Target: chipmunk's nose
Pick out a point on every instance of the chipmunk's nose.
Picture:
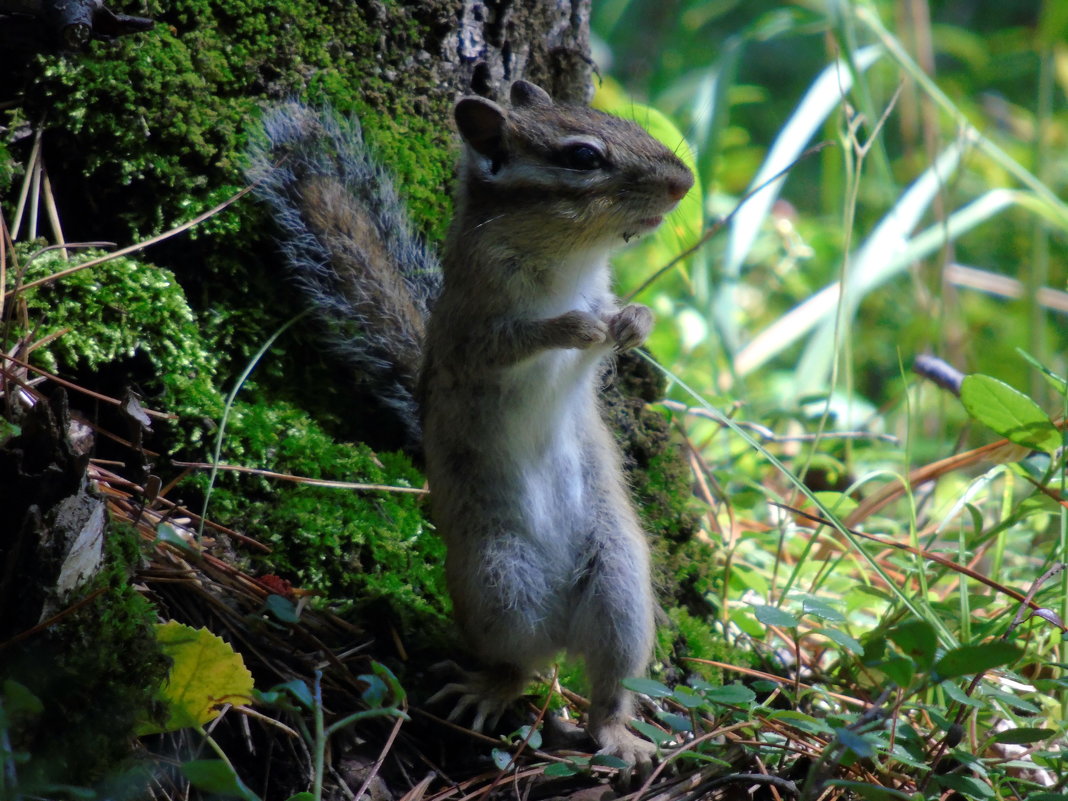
(679, 186)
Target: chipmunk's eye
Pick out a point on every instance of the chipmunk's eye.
(582, 157)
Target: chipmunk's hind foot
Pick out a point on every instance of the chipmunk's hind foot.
(489, 692)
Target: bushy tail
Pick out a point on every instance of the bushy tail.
(349, 247)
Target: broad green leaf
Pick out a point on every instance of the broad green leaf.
(167, 534)
(215, 776)
(969, 659)
(917, 639)
(299, 689)
(560, 770)
(854, 742)
(282, 608)
(842, 639)
(674, 722)
(817, 607)
(732, 694)
(206, 673)
(1009, 412)
(965, 785)
(744, 619)
(1024, 735)
(1015, 701)
(375, 693)
(524, 733)
(838, 502)
(873, 792)
(803, 721)
(651, 732)
(650, 687)
(774, 616)
(19, 702)
(501, 758)
(1060, 386)
(688, 698)
(899, 669)
(304, 796)
(955, 693)
(8, 431)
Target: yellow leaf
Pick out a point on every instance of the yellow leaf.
(206, 674)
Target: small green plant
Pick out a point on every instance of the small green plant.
(383, 694)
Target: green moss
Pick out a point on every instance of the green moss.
(690, 638)
(354, 548)
(96, 673)
(122, 318)
(150, 129)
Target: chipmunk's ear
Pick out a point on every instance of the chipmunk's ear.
(480, 122)
(524, 93)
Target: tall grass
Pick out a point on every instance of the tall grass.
(812, 305)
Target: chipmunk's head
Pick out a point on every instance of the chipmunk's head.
(573, 173)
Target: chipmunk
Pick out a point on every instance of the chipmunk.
(544, 548)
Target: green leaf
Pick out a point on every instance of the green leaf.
(560, 770)
(838, 502)
(817, 607)
(774, 616)
(650, 687)
(19, 701)
(1024, 735)
(304, 796)
(854, 742)
(743, 618)
(917, 639)
(688, 698)
(674, 722)
(1009, 412)
(524, 733)
(375, 693)
(1060, 386)
(8, 431)
(167, 534)
(965, 785)
(501, 758)
(1015, 701)
(609, 761)
(651, 732)
(970, 659)
(282, 608)
(873, 792)
(803, 721)
(732, 694)
(955, 693)
(215, 776)
(206, 673)
(299, 689)
(842, 639)
(899, 669)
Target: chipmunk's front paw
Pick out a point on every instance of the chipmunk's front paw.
(579, 329)
(630, 326)
(489, 692)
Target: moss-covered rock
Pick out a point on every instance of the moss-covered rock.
(149, 130)
(354, 548)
